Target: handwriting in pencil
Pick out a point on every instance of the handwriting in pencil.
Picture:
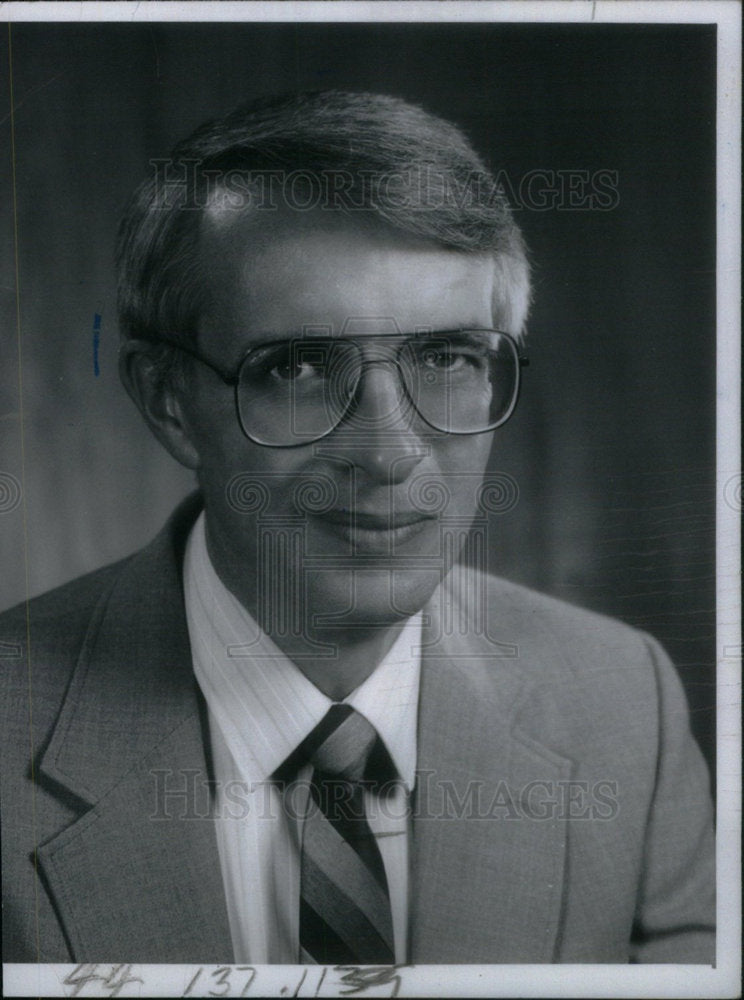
(359, 979)
(117, 977)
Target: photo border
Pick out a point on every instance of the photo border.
(554, 980)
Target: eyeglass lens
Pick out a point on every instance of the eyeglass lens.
(294, 392)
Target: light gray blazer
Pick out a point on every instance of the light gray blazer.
(561, 813)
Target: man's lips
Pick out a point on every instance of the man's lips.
(374, 520)
(373, 532)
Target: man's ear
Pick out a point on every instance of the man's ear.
(157, 400)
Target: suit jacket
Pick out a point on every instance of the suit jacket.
(561, 812)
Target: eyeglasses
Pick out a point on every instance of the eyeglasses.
(293, 392)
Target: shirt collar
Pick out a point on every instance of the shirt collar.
(261, 701)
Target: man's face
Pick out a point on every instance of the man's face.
(344, 526)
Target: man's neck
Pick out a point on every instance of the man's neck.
(335, 659)
(348, 658)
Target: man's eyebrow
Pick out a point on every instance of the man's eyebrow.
(326, 331)
(279, 336)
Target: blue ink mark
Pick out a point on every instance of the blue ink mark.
(96, 341)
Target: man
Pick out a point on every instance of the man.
(294, 728)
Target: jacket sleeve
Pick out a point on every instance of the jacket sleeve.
(675, 914)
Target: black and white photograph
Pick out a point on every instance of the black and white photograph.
(369, 499)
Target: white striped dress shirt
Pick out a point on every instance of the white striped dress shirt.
(260, 708)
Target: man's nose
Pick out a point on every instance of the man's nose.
(379, 434)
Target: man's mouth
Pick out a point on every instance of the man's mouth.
(374, 531)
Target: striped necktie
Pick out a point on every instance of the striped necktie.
(345, 913)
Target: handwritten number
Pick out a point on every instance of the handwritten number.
(114, 978)
(359, 980)
(116, 985)
(320, 981)
(299, 985)
(223, 979)
(252, 971)
(118, 977)
(192, 983)
(78, 978)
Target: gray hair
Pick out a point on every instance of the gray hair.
(372, 155)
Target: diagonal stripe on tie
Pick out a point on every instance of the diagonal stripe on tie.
(344, 904)
(333, 864)
(349, 922)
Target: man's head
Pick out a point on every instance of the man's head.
(320, 219)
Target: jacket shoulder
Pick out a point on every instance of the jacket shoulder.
(61, 616)
(41, 639)
(575, 636)
(593, 672)
(591, 686)
(57, 612)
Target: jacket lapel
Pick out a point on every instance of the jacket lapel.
(488, 847)
(137, 876)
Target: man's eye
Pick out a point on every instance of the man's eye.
(286, 364)
(292, 370)
(449, 358)
(443, 360)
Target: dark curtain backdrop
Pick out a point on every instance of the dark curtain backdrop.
(613, 446)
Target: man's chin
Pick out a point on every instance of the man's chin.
(349, 600)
